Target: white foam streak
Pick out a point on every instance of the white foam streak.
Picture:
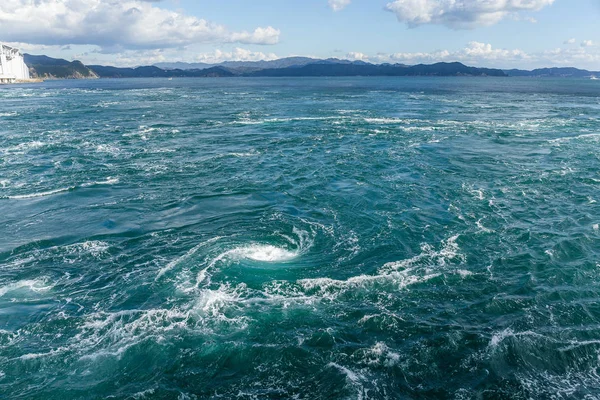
(247, 121)
(387, 121)
(108, 181)
(114, 333)
(500, 337)
(93, 247)
(33, 356)
(380, 354)
(448, 252)
(354, 380)
(332, 288)
(41, 194)
(185, 257)
(418, 269)
(353, 377)
(593, 136)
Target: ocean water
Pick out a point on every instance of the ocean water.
(348, 238)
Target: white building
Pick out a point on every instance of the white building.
(12, 65)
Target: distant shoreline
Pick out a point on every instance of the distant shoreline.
(44, 67)
(20, 81)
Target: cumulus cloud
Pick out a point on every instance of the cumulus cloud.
(131, 58)
(268, 35)
(570, 41)
(587, 43)
(474, 52)
(461, 14)
(126, 24)
(237, 54)
(580, 57)
(338, 5)
(356, 56)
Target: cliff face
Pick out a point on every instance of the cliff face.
(54, 68)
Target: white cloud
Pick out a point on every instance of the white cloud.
(357, 56)
(460, 14)
(587, 43)
(570, 41)
(127, 24)
(474, 52)
(338, 5)
(92, 55)
(579, 57)
(485, 55)
(133, 58)
(268, 35)
(237, 54)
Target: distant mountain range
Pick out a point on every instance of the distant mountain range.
(49, 68)
(554, 72)
(280, 63)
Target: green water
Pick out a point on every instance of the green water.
(351, 238)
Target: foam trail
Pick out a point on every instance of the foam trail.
(40, 194)
(186, 256)
(108, 181)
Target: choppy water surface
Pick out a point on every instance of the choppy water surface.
(361, 238)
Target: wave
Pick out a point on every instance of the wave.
(108, 181)
(243, 154)
(109, 149)
(33, 285)
(111, 334)
(247, 121)
(384, 121)
(355, 381)
(93, 247)
(592, 136)
(23, 148)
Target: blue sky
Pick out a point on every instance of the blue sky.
(495, 33)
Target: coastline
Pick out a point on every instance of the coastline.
(18, 81)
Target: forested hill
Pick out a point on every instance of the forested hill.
(55, 68)
(48, 68)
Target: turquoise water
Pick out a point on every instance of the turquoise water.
(351, 238)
